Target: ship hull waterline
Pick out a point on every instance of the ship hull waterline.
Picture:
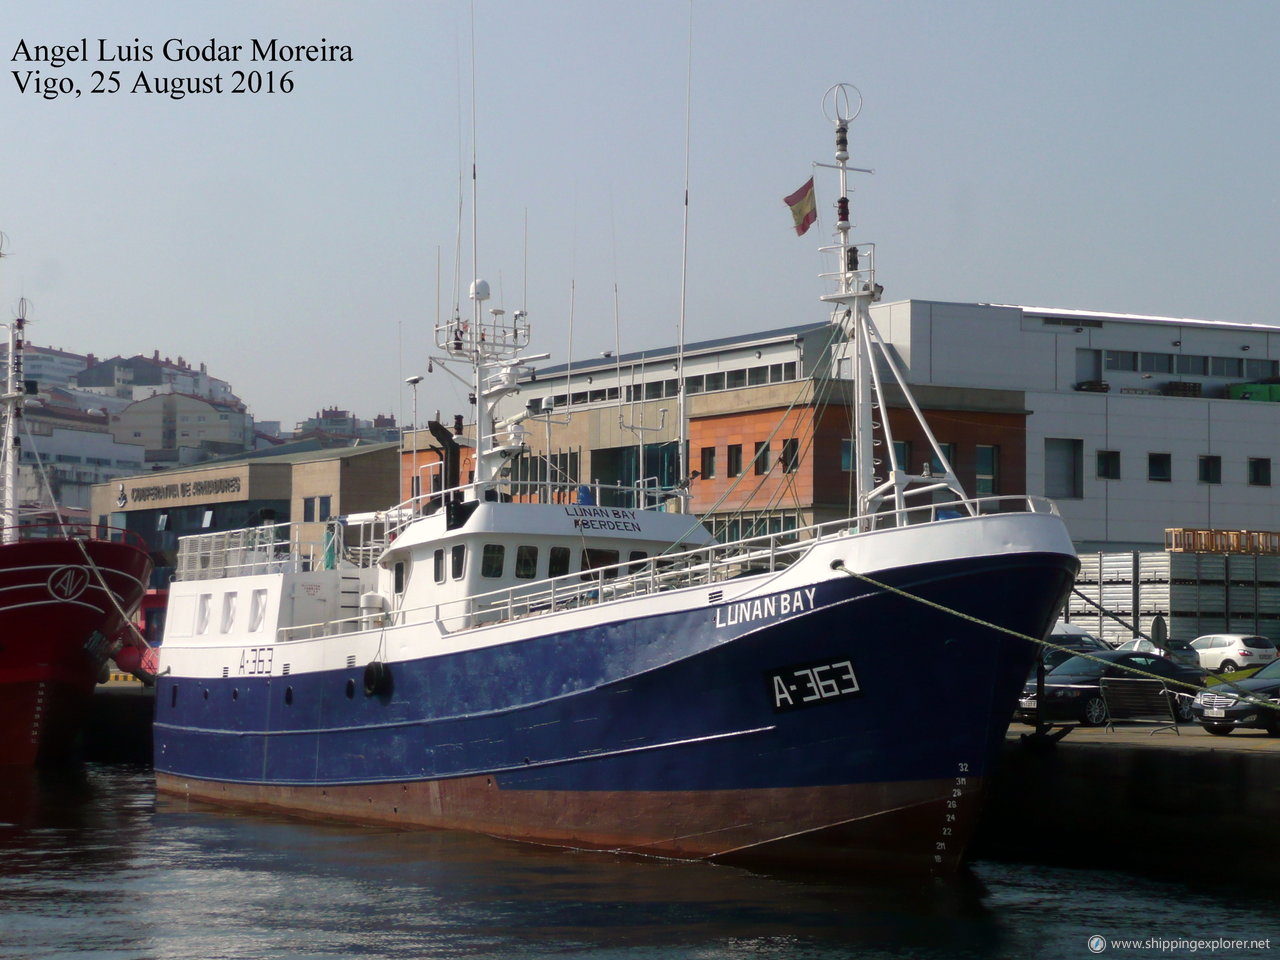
(694, 759)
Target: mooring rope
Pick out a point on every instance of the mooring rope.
(838, 565)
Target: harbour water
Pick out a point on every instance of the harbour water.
(91, 864)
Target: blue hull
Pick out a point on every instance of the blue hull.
(846, 695)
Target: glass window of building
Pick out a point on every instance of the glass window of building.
(708, 462)
(760, 461)
(1063, 468)
(1108, 464)
(733, 467)
(790, 455)
(1160, 467)
(1210, 469)
(1259, 471)
(986, 470)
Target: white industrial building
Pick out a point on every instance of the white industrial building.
(1135, 423)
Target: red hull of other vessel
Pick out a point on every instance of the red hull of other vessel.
(57, 624)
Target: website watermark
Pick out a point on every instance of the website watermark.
(1101, 944)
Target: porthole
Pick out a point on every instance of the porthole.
(206, 693)
(288, 696)
(351, 689)
(235, 694)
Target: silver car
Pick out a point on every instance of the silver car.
(1228, 652)
(1179, 651)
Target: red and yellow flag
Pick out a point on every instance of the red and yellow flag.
(804, 208)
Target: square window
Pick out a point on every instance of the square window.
(1108, 464)
(526, 562)
(492, 559)
(1210, 469)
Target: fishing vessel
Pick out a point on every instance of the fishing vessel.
(585, 666)
(67, 596)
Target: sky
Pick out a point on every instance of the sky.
(1115, 156)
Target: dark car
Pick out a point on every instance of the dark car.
(1074, 640)
(1072, 693)
(1244, 703)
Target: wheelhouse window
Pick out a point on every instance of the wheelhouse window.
(637, 558)
(398, 573)
(492, 560)
(437, 562)
(594, 557)
(558, 562)
(526, 562)
(458, 561)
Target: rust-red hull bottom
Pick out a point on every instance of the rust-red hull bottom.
(913, 827)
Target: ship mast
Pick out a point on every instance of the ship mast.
(12, 405)
(856, 290)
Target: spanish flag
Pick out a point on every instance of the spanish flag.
(804, 208)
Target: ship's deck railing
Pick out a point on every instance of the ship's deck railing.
(70, 529)
(705, 565)
(270, 548)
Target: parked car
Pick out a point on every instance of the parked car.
(1253, 702)
(1229, 652)
(1075, 639)
(1072, 691)
(1179, 651)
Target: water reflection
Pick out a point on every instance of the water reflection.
(89, 863)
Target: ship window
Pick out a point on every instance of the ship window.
(637, 558)
(558, 563)
(202, 612)
(492, 560)
(437, 560)
(257, 610)
(398, 574)
(526, 562)
(228, 611)
(593, 557)
(458, 561)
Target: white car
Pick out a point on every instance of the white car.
(1179, 651)
(1228, 652)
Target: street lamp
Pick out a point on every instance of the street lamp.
(413, 473)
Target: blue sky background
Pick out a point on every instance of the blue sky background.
(1093, 155)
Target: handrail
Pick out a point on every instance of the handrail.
(767, 553)
(75, 529)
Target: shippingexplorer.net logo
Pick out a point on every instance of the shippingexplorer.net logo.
(1098, 944)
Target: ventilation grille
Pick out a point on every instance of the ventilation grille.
(351, 661)
(715, 596)
(226, 672)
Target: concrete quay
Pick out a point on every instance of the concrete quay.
(1130, 799)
